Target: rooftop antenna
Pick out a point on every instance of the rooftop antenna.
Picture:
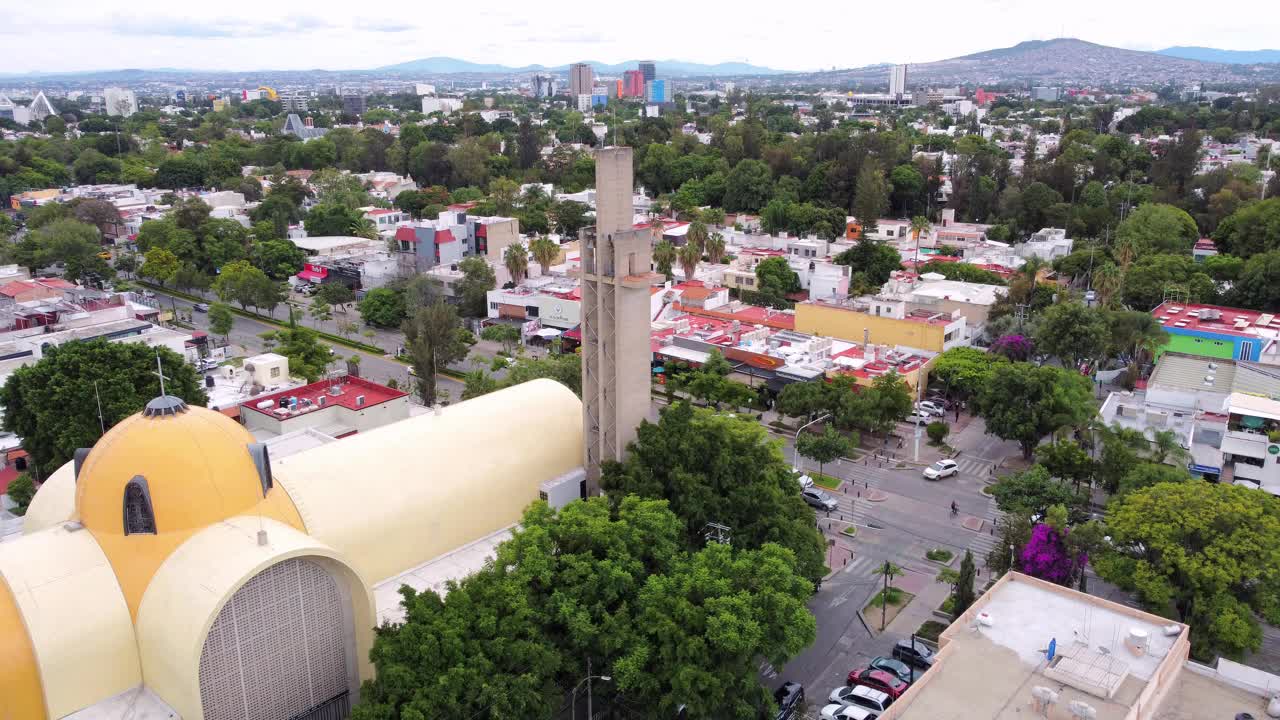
(160, 372)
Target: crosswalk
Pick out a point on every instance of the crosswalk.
(972, 465)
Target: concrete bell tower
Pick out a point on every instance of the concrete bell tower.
(616, 277)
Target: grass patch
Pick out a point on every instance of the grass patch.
(851, 531)
(879, 611)
(930, 630)
(986, 490)
(948, 606)
(892, 596)
(825, 481)
(939, 555)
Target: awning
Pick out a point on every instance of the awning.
(548, 333)
(310, 276)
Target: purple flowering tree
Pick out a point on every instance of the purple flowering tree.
(1047, 557)
(1018, 348)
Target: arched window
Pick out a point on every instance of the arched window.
(138, 515)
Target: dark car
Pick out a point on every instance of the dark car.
(790, 696)
(897, 667)
(885, 682)
(916, 654)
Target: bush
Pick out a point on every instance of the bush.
(938, 431)
(20, 491)
(893, 595)
(948, 606)
(939, 555)
(930, 630)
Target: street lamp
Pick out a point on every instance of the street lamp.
(573, 697)
(795, 453)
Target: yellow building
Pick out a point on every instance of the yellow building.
(882, 322)
(173, 570)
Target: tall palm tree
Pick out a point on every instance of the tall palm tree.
(697, 235)
(715, 248)
(1166, 447)
(516, 259)
(664, 256)
(689, 255)
(919, 226)
(545, 251)
(1107, 281)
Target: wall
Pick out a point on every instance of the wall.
(1203, 345)
(844, 324)
(362, 420)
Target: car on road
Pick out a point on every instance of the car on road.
(819, 499)
(836, 711)
(941, 469)
(148, 294)
(928, 407)
(861, 696)
(885, 682)
(789, 696)
(200, 307)
(918, 418)
(914, 653)
(897, 667)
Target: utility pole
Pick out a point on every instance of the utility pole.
(589, 715)
(884, 595)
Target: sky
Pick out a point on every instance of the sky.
(74, 35)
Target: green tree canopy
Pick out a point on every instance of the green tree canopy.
(963, 272)
(1159, 228)
(965, 370)
(721, 469)
(308, 358)
(1207, 554)
(1072, 333)
(472, 290)
(433, 339)
(824, 448)
(36, 398)
(774, 279)
(1252, 230)
(1033, 491)
(1025, 402)
(383, 307)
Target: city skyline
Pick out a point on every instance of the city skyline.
(152, 36)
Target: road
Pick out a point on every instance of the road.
(244, 340)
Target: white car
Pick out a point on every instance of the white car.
(836, 711)
(918, 417)
(941, 469)
(805, 481)
(928, 407)
(862, 696)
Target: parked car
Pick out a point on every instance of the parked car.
(928, 407)
(897, 667)
(200, 307)
(789, 696)
(835, 711)
(937, 398)
(819, 499)
(805, 481)
(885, 682)
(861, 696)
(941, 469)
(148, 294)
(917, 654)
(918, 418)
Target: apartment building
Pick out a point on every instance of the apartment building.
(883, 321)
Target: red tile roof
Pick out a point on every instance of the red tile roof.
(444, 236)
(406, 234)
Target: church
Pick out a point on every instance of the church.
(174, 571)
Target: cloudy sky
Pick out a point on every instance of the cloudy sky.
(68, 35)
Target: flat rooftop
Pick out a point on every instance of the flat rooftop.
(348, 389)
(1217, 319)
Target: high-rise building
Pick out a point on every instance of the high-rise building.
(120, 101)
(580, 79)
(353, 105)
(659, 91)
(898, 80)
(633, 84)
(648, 70)
(544, 86)
(616, 277)
(294, 100)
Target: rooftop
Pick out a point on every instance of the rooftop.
(1192, 372)
(350, 392)
(1218, 320)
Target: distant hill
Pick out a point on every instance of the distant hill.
(666, 68)
(1215, 55)
(1060, 61)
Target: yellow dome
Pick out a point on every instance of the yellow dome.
(195, 463)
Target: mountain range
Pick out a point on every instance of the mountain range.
(1215, 55)
(668, 68)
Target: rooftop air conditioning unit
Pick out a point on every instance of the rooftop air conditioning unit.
(320, 401)
(1081, 710)
(359, 401)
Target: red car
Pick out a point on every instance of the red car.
(880, 680)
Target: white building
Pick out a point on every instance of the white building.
(120, 101)
(1048, 244)
(441, 105)
(898, 80)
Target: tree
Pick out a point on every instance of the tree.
(565, 369)
(1145, 474)
(774, 279)
(871, 198)
(336, 294)
(333, 220)
(964, 371)
(1048, 557)
(716, 468)
(937, 431)
(1033, 492)
(870, 263)
(279, 259)
(689, 255)
(1251, 230)
(1259, 285)
(383, 307)
(431, 337)
(885, 597)
(66, 241)
(244, 284)
(220, 319)
(885, 403)
(1158, 228)
(748, 186)
(508, 335)
(36, 397)
(321, 312)
(964, 592)
(962, 272)
(21, 490)
(1024, 402)
(715, 248)
(1208, 552)
(569, 216)
(544, 251)
(802, 399)
(824, 448)
(515, 258)
(472, 289)
(307, 357)
(664, 256)
(1072, 333)
(159, 265)
(1068, 461)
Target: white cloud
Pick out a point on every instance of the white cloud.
(83, 35)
